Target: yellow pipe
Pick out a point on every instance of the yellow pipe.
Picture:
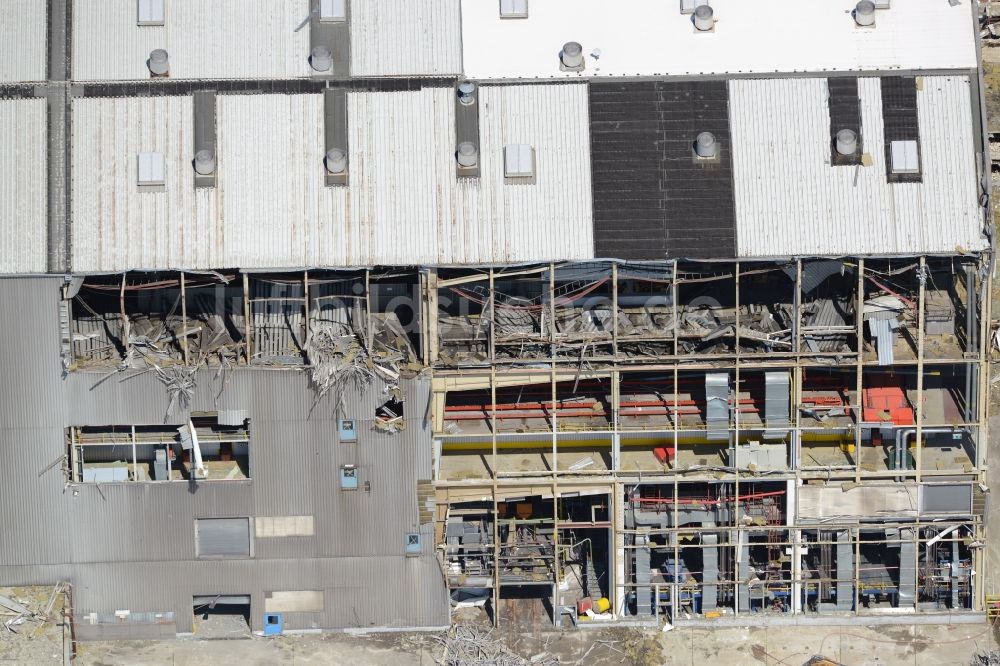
(640, 442)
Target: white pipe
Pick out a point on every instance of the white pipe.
(199, 465)
(943, 534)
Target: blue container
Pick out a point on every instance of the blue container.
(274, 625)
(348, 432)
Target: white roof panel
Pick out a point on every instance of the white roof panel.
(115, 225)
(333, 10)
(653, 37)
(223, 39)
(23, 39)
(904, 157)
(790, 201)
(150, 12)
(271, 209)
(394, 38)
(152, 168)
(23, 186)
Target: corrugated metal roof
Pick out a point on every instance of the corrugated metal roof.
(116, 225)
(403, 205)
(219, 39)
(393, 38)
(652, 38)
(789, 200)
(23, 185)
(23, 38)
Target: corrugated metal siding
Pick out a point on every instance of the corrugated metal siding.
(225, 39)
(393, 38)
(789, 200)
(23, 183)
(31, 416)
(23, 39)
(359, 592)
(133, 545)
(403, 204)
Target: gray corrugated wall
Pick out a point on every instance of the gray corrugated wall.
(132, 546)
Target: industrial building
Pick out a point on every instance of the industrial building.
(340, 312)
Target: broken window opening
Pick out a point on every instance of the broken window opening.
(139, 319)
(582, 310)
(160, 453)
(646, 313)
(829, 304)
(706, 308)
(389, 415)
(277, 310)
(767, 308)
(360, 329)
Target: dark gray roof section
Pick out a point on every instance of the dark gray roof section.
(653, 199)
(899, 120)
(845, 113)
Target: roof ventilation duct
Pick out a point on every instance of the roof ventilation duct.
(336, 160)
(466, 130)
(321, 59)
(467, 154)
(158, 63)
(705, 145)
(204, 138)
(467, 92)
(704, 18)
(571, 57)
(864, 13)
(847, 142)
(204, 162)
(336, 143)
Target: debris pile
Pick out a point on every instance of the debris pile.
(469, 645)
(338, 362)
(26, 611)
(986, 658)
(340, 359)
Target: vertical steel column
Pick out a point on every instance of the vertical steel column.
(126, 327)
(247, 321)
(305, 293)
(184, 320)
(617, 526)
(614, 310)
(918, 459)
(433, 343)
(859, 308)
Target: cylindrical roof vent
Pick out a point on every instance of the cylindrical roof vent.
(336, 160)
(158, 63)
(864, 13)
(571, 55)
(204, 162)
(847, 142)
(467, 92)
(321, 59)
(467, 154)
(704, 18)
(705, 145)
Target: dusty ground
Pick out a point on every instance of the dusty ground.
(901, 644)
